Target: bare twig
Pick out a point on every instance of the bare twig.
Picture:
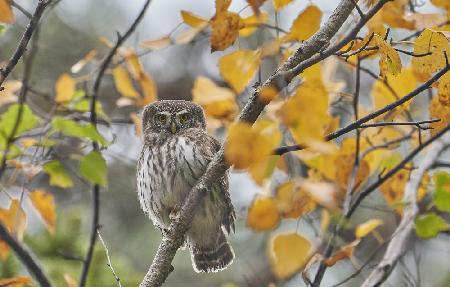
(21, 48)
(4, 72)
(161, 266)
(109, 259)
(397, 245)
(21, 9)
(25, 257)
(93, 118)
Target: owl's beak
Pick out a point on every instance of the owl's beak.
(173, 127)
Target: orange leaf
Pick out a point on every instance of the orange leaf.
(137, 123)
(14, 218)
(6, 14)
(7, 95)
(225, 30)
(44, 204)
(16, 281)
(255, 4)
(278, 4)
(343, 253)
(263, 214)
(81, 63)
(64, 88)
(70, 281)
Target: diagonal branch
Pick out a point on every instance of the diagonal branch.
(22, 47)
(397, 245)
(25, 257)
(161, 266)
(93, 119)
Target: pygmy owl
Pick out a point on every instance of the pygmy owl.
(176, 153)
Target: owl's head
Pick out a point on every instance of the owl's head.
(172, 116)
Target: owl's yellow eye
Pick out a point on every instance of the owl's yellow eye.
(161, 118)
(183, 118)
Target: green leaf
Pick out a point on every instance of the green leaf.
(2, 28)
(58, 175)
(441, 196)
(8, 120)
(390, 162)
(74, 129)
(429, 225)
(93, 168)
(81, 103)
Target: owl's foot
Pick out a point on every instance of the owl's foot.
(174, 213)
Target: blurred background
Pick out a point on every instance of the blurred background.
(73, 28)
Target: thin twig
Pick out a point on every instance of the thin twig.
(21, 48)
(25, 257)
(21, 9)
(109, 259)
(398, 244)
(4, 72)
(93, 117)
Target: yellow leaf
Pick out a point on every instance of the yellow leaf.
(123, 83)
(426, 20)
(263, 169)
(4, 251)
(64, 88)
(218, 102)
(156, 44)
(367, 227)
(267, 94)
(288, 254)
(6, 14)
(16, 281)
(81, 63)
(441, 3)
(434, 42)
(222, 5)
(346, 251)
(7, 95)
(149, 89)
(292, 201)
(247, 145)
(225, 30)
(278, 4)
(192, 20)
(14, 218)
(393, 14)
(444, 90)
(44, 204)
(393, 188)
(439, 111)
(239, 67)
(309, 102)
(389, 60)
(401, 85)
(263, 214)
(251, 23)
(306, 24)
(344, 162)
(70, 281)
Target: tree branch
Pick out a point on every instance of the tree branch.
(93, 118)
(4, 72)
(21, 48)
(398, 243)
(25, 257)
(161, 266)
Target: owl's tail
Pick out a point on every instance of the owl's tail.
(214, 257)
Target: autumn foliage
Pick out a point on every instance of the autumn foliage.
(398, 51)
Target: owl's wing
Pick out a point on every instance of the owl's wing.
(209, 146)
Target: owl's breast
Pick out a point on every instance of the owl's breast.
(166, 175)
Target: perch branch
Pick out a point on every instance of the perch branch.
(93, 118)
(161, 266)
(25, 257)
(397, 245)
